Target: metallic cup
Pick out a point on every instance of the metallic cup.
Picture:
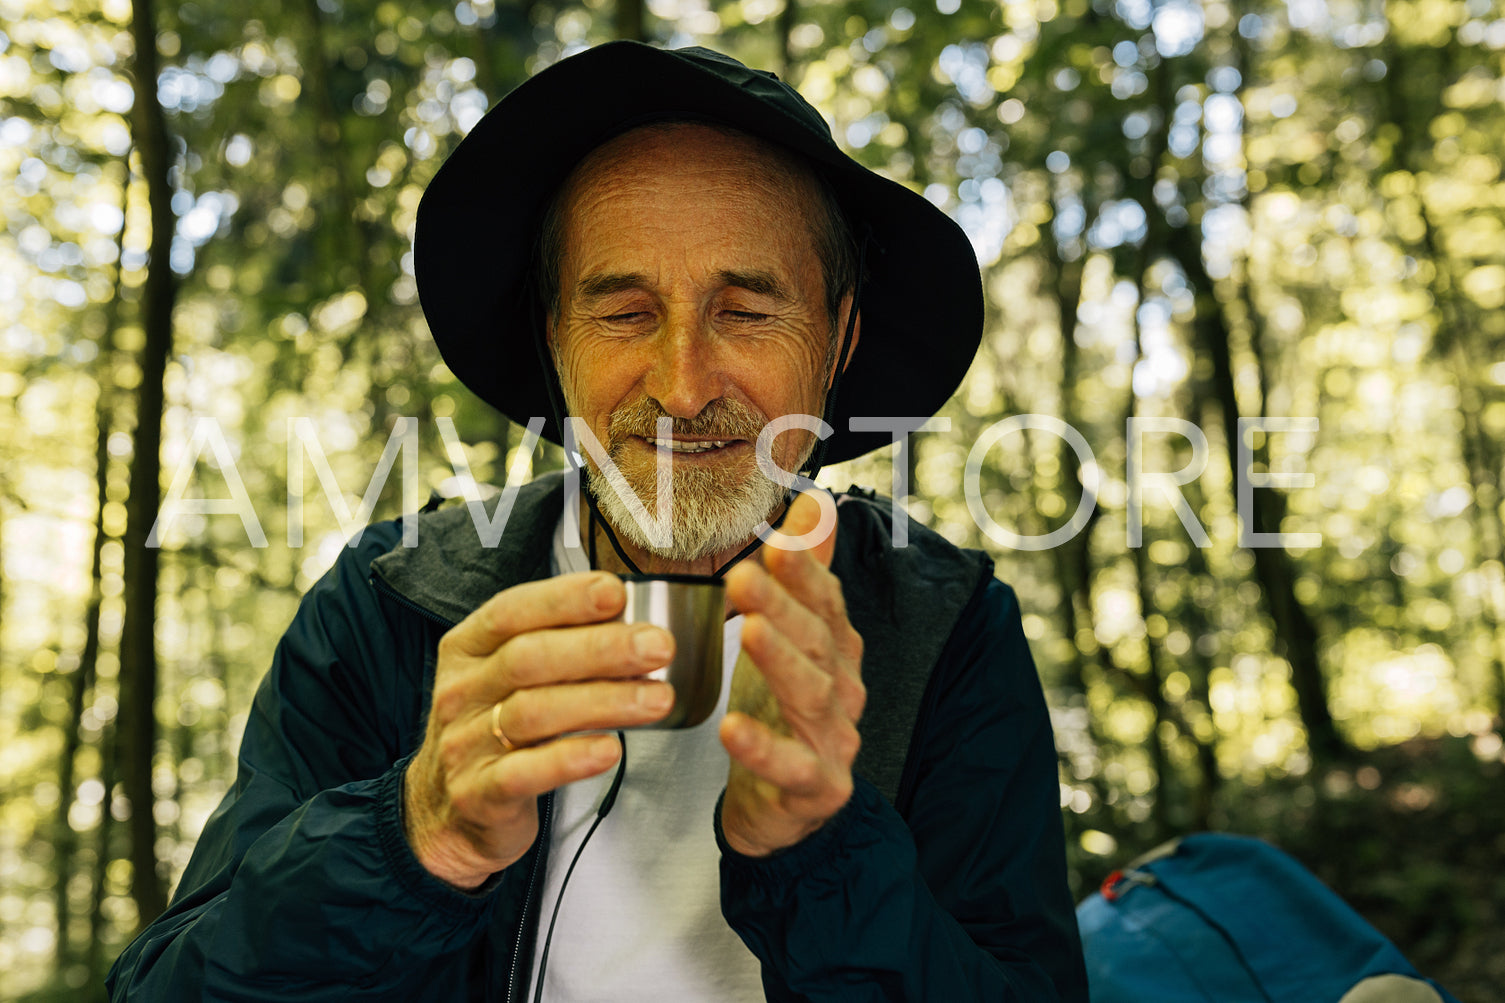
(693, 609)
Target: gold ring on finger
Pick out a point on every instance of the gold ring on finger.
(496, 728)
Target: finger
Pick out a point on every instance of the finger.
(533, 716)
(805, 691)
(798, 531)
(804, 517)
(571, 654)
(753, 590)
(806, 573)
(810, 584)
(527, 773)
(548, 657)
(851, 694)
(786, 763)
(831, 641)
(576, 598)
(816, 588)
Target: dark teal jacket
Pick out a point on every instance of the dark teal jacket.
(942, 879)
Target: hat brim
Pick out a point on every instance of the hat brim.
(478, 221)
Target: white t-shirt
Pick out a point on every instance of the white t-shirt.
(641, 919)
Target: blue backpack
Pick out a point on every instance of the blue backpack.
(1229, 919)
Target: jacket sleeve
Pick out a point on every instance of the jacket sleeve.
(964, 898)
(302, 885)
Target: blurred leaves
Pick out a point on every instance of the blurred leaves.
(1318, 181)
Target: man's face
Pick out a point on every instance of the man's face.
(690, 288)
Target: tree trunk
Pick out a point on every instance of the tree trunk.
(1200, 673)
(81, 685)
(1074, 615)
(138, 647)
(351, 257)
(501, 43)
(1296, 633)
(1074, 569)
(1154, 688)
(628, 22)
(1143, 189)
(1193, 617)
(109, 745)
(88, 659)
(1481, 456)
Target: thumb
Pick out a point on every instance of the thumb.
(811, 525)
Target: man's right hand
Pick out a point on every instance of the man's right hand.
(546, 652)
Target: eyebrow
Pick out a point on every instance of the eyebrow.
(762, 283)
(597, 286)
(754, 281)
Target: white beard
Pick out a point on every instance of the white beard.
(708, 515)
(713, 510)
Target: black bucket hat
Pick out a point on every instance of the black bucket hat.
(478, 222)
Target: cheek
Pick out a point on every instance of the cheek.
(581, 391)
(794, 357)
(804, 368)
(579, 365)
(599, 379)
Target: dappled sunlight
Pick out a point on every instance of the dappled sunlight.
(1183, 212)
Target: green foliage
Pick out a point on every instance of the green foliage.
(1318, 185)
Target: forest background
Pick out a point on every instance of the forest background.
(1183, 209)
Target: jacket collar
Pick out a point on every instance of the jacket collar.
(450, 573)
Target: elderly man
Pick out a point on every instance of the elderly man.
(668, 248)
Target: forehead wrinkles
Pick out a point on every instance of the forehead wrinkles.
(656, 167)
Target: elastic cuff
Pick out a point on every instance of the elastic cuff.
(811, 853)
(415, 879)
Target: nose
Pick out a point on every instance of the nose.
(685, 375)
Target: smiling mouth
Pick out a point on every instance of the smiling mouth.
(690, 446)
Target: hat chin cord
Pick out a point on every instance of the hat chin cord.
(807, 475)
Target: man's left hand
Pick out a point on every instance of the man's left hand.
(788, 779)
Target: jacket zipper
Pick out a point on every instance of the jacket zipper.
(380, 584)
(522, 923)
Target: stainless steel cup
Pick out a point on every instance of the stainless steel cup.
(693, 609)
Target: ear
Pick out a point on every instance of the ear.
(841, 333)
